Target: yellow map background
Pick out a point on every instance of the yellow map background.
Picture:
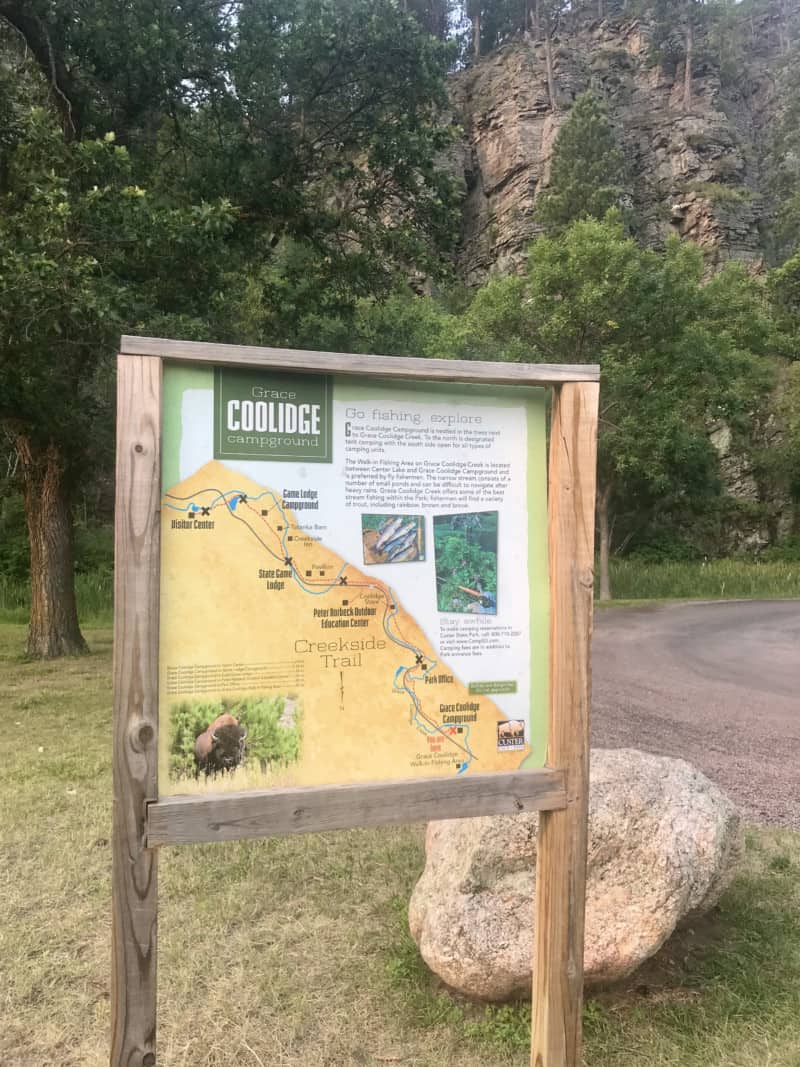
(216, 610)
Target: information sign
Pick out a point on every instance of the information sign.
(347, 594)
(355, 573)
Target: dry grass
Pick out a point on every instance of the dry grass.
(294, 952)
(248, 776)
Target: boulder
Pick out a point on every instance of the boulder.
(663, 845)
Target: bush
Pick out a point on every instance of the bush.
(666, 549)
(94, 542)
(14, 551)
(94, 549)
(268, 742)
(718, 193)
(786, 551)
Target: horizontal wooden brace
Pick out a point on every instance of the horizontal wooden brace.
(397, 367)
(179, 820)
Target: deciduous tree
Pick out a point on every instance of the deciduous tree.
(82, 252)
(668, 360)
(173, 143)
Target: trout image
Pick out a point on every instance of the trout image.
(392, 538)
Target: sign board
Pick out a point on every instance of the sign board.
(356, 571)
(350, 590)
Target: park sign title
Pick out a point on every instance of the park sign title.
(271, 415)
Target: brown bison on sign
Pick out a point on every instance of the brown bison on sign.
(220, 747)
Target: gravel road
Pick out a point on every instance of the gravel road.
(717, 684)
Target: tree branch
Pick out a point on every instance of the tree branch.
(36, 36)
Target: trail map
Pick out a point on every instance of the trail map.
(349, 579)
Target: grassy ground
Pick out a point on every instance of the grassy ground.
(94, 593)
(724, 579)
(294, 952)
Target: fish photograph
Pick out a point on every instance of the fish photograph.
(393, 538)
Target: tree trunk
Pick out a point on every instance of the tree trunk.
(54, 629)
(600, 9)
(687, 67)
(602, 516)
(537, 22)
(476, 31)
(551, 80)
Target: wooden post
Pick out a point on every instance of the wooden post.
(133, 987)
(561, 868)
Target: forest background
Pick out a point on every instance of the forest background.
(278, 173)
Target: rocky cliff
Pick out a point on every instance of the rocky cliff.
(699, 171)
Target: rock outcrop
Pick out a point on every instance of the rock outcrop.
(701, 172)
(697, 172)
(663, 845)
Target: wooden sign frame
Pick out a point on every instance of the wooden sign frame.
(143, 821)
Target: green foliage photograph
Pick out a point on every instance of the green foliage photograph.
(466, 562)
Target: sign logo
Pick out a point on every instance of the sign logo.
(272, 415)
(510, 734)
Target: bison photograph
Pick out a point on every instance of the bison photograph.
(220, 747)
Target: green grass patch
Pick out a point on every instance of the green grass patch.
(94, 591)
(295, 951)
(721, 579)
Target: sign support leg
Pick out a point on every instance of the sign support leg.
(134, 871)
(556, 1036)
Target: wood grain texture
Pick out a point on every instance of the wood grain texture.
(133, 989)
(264, 813)
(432, 370)
(561, 868)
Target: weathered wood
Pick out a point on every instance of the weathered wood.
(133, 989)
(177, 820)
(561, 868)
(432, 370)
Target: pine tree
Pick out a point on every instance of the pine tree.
(587, 174)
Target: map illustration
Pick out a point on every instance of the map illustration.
(254, 603)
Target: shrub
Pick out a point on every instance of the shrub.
(786, 551)
(666, 549)
(717, 193)
(94, 549)
(14, 551)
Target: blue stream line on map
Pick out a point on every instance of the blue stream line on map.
(235, 494)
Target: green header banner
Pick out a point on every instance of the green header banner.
(271, 415)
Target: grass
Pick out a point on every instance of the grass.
(295, 952)
(94, 592)
(721, 579)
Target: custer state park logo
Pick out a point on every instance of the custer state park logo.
(511, 734)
